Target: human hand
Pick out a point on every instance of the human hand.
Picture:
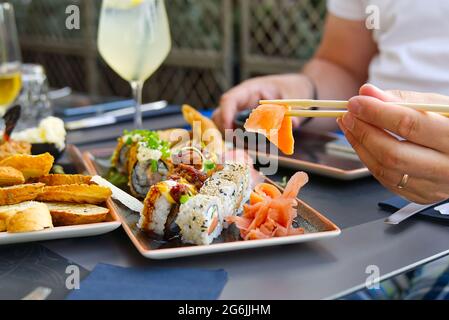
(423, 155)
(247, 95)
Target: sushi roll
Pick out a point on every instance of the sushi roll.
(200, 219)
(161, 206)
(121, 156)
(125, 145)
(147, 167)
(226, 191)
(240, 174)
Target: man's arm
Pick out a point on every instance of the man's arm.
(339, 68)
(341, 64)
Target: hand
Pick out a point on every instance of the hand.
(424, 155)
(248, 94)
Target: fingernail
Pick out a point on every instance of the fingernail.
(348, 121)
(340, 124)
(355, 106)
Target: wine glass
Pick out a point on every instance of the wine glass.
(134, 40)
(10, 58)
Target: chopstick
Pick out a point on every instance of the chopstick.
(327, 114)
(343, 105)
(316, 114)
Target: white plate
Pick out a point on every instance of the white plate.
(59, 233)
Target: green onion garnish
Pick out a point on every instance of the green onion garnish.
(184, 199)
(154, 166)
(209, 165)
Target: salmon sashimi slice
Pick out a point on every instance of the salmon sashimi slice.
(273, 122)
(271, 213)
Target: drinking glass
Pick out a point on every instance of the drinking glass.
(10, 58)
(134, 40)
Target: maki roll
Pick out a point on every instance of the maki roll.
(145, 174)
(121, 156)
(226, 191)
(240, 174)
(161, 206)
(200, 219)
(125, 144)
(149, 163)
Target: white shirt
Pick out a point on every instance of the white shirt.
(413, 42)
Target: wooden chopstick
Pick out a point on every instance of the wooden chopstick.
(327, 113)
(316, 114)
(343, 105)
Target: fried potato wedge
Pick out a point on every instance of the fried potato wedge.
(35, 218)
(21, 193)
(10, 177)
(63, 179)
(10, 148)
(69, 214)
(30, 166)
(210, 135)
(83, 193)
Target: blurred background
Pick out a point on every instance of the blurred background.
(216, 44)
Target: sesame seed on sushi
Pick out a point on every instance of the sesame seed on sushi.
(200, 219)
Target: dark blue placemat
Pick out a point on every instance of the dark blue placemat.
(108, 282)
(396, 203)
(23, 268)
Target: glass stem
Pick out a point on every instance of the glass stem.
(137, 87)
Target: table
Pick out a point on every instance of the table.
(326, 269)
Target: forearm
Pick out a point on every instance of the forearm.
(332, 81)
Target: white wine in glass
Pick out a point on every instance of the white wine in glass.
(134, 40)
(10, 58)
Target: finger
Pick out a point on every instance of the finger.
(417, 190)
(217, 118)
(398, 155)
(418, 97)
(227, 110)
(242, 97)
(424, 128)
(296, 122)
(402, 96)
(373, 91)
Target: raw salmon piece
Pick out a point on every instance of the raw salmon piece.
(271, 121)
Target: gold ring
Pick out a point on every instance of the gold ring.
(404, 181)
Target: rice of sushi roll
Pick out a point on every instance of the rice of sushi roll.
(240, 174)
(227, 192)
(200, 219)
(161, 206)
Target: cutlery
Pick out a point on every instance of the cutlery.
(304, 108)
(408, 212)
(113, 117)
(120, 195)
(92, 110)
